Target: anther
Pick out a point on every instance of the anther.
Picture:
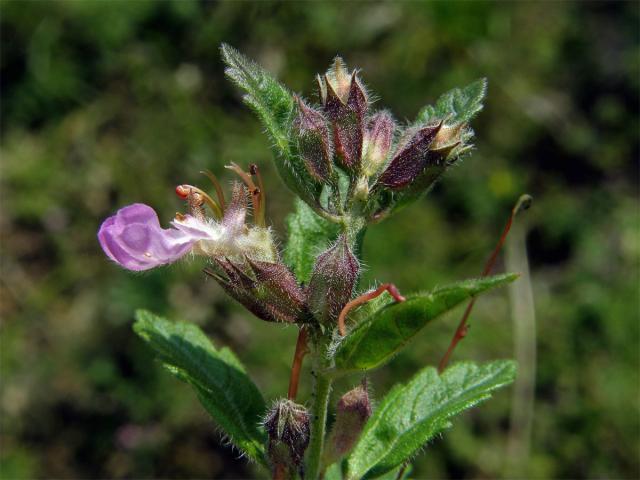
(183, 191)
(197, 198)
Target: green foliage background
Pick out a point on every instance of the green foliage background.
(108, 103)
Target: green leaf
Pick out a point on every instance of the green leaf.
(271, 101)
(380, 336)
(457, 105)
(218, 377)
(309, 235)
(411, 415)
(334, 472)
(274, 105)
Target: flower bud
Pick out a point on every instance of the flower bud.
(410, 160)
(377, 143)
(345, 103)
(446, 148)
(287, 426)
(279, 287)
(339, 79)
(332, 281)
(312, 136)
(268, 290)
(449, 135)
(354, 409)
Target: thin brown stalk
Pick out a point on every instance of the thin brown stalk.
(524, 202)
(302, 348)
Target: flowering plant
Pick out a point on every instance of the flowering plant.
(350, 167)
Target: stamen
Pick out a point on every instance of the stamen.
(254, 170)
(253, 190)
(216, 185)
(190, 192)
(388, 287)
(524, 202)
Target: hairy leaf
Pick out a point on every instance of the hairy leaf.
(309, 235)
(218, 377)
(271, 101)
(379, 337)
(274, 105)
(411, 415)
(457, 105)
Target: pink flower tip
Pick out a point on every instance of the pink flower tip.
(134, 239)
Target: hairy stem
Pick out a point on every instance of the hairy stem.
(321, 391)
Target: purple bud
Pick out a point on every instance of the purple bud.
(280, 288)
(134, 239)
(437, 164)
(357, 100)
(354, 409)
(314, 144)
(334, 107)
(268, 290)
(378, 140)
(345, 104)
(332, 281)
(411, 159)
(287, 426)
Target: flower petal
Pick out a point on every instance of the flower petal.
(134, 239)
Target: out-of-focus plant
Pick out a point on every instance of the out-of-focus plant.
(350, 167)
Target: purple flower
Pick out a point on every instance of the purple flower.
(134, 239)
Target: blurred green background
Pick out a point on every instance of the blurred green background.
(109, 103)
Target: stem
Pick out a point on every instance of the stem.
(524, 202)
(321, 391)
(301, 350)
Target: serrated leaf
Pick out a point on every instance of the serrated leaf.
(411, 415)
(309, 234)
(218, 377)
(380, 336)
(457, 105)
(273, 104)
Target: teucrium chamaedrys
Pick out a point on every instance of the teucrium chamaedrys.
(350, 165)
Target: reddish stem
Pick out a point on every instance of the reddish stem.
(389, 287)
(524, 202)
(279, 471)
(302, 348)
